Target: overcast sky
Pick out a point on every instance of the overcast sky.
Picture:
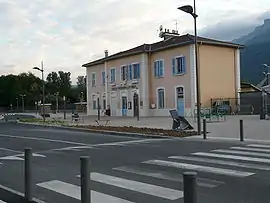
(67, 33)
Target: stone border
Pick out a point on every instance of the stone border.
(107, 132)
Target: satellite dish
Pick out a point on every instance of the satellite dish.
(160, 28)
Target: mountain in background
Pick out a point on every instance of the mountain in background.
(255, 53)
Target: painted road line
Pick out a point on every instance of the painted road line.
(74, 191)
(226, 156)
(207, 169)
(42, 139)
(145, 188)
(202, 182)
(251, 149)
(14, 158)
(222, 162)
(10, 190)
(242, 153)
(259, 145)
(2, 201)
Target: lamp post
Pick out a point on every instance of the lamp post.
(17, 101)
(22, 95)
(64, 98)
(43, 89)
(57, 103)
(192, 11)
(266, 73)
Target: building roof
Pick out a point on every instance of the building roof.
(164, 44)
(249, 85)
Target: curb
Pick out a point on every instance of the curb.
(105, 132)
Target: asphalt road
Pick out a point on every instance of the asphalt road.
(126, 169)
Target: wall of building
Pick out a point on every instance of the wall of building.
(217, 69)
(92, 91)
(114, 95)
(169, 82)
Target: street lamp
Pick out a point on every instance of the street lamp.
(64, 99)
(266, 73)
(192, 11)
(57, 103)
(43, 88)
(22, 95)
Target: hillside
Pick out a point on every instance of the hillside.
(256, 53)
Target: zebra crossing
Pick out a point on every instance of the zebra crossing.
(146, 178)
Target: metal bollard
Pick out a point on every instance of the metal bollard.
(190, 187)
(204, 129)
(28, 182)
(85, 180)
(241, 131)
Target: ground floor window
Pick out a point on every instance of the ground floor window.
(161, 98)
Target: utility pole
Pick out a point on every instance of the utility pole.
(22, 95)
(57, 102)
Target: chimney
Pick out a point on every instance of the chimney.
(106, 53)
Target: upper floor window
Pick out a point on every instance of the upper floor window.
(136, 71)
(179, 65)
(103, 78)
(93, 79)
(113, 77)
(159, 68)
(124, 73)
(161, 98)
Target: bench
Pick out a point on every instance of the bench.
(179, 122)
(106, 122)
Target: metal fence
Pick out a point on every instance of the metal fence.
(249, 103)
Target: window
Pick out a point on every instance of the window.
(113, 75)
(93, 79)
(161, 98)
(94, 102)
(159, 68)
(179, 66)
(130, 72)
(103, 78)
(136, 71)
(124, 73)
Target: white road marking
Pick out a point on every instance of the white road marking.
(167, 176)
(19, 193)
(34, 154)
(251, 149)
(122, 143)
(74, 191)
(10, 150)
(15, 158)
(225, 156)
(43, 139)
(145, 188)
(207, 169)
(2, 201)
(259, 145)
(221, 162)
(242, 152)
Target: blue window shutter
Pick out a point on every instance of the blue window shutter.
(161, 68)
(155, 69)
(130, 72)
(173, 66)
(183, 64)
(121, 73)
(139, 70)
